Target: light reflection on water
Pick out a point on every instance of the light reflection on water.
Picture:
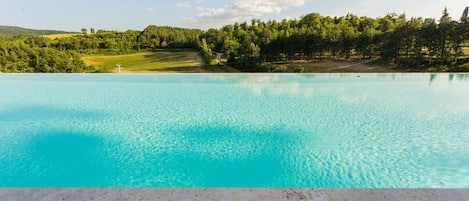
(268, 130)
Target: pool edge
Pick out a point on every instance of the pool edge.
(13, 194)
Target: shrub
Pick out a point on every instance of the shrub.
(266, 67)
(281, 69)
(299, 69)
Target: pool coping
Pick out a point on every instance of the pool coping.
(25, 194)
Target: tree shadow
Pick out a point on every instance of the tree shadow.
(193, 156)
(176, 69)
(226, 156)
(163, 57)
(61, 159)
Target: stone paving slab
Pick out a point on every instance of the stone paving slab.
(199, 194)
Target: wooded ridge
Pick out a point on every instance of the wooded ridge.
(12, 30)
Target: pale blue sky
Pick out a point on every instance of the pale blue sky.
(72, 15)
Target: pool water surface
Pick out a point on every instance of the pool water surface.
(222, 130)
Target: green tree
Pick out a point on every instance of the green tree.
(206, 52)
(429, 35)
(445, 28)
(465, 15)
(230, 48)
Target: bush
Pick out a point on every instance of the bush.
(299, 69)
(280, 69)
(442, 68)
(266, 67)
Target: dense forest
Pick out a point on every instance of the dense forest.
(393, 40)
(30, 54)
(418, 44)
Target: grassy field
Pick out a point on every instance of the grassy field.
(56, 36)
(330, 66)
(149, 62)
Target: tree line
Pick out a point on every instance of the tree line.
(32, 54)
(393, 40)
(114, 42)
(27, 53)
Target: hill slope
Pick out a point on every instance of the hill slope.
(148, 62)
(12, 30)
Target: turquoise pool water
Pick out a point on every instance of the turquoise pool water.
(269, 130)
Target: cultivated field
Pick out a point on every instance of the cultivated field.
(149, 62)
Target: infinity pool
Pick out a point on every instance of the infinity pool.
(220, 130)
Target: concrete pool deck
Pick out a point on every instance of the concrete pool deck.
(196, 194)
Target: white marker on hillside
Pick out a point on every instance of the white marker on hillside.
(219, 55)
(118, 67)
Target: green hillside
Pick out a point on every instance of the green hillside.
(12, 30)
(160, 61)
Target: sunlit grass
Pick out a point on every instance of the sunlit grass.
(184, 61)
(57, 36)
